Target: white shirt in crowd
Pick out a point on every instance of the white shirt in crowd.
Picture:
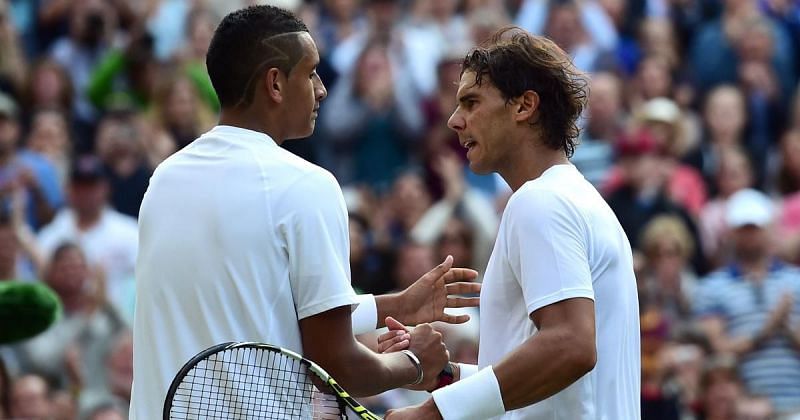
(239, 239)
(558, 239)
(110, 244)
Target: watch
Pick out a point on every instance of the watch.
(446, 376)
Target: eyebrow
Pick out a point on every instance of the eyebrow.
(467, 97)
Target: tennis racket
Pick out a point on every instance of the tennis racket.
(257, 381)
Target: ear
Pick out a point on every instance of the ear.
(274, 84)
(525, 106)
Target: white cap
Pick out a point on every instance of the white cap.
(661, 109)
(749, 207)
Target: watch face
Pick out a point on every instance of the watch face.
(448, 370)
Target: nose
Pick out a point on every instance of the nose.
(456, 121)
(321, 92)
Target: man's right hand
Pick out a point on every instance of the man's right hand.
(426, 343)
(777, 318)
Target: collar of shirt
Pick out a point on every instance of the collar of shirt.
(228, 131)
(735, 270)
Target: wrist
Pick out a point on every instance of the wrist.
(390, 304)
(446, 376)
(417, 365)
(402, 308)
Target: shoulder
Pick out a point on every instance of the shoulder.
(307, 177)
(538, 200)
(719, 278)
(540, 208)
(121, 222)
(308, 187)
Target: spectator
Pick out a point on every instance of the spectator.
(68, 353)
(92, 29)
(180, 114)
(369, 262)
(669, 282)
(734, 173)
(725, 118)
(642, 192)
(376, 123)
(582, 29)
(118, 379)
(30, 398)
(722, 388)
(108, 238)
(12, 57)
(25, 171)
(459, 199)
(120, 146)
(413, 260)
(751, 407)
(748, 308)
(125, 78)
(663, 119)
(49, 137)
(605, 122)
(49, 87)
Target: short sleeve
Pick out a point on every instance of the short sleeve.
(547, 248)
(316, 233)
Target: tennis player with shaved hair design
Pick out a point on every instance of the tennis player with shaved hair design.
(559, 317)
(240, 240)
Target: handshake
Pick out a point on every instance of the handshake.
(425, 343)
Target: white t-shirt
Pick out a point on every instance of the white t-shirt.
(558, 239)
(239, 239)
(110, 244)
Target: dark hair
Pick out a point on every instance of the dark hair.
(63, 248)
(241, 48)
(515, 61)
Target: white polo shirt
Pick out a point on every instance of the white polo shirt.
(238, 240)
(558, 239)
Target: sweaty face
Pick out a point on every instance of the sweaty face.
(305, 91)
(482, 120)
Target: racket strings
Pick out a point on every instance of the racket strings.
(251, 383)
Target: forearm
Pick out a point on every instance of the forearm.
(384, 371)
(433, 222)
(544, 365)
(539, 368)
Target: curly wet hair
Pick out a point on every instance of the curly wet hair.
(515, 61)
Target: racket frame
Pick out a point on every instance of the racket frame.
(341, 395)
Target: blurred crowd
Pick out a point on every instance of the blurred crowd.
(692, 134)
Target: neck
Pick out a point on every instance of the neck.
(87, 220)
(724, 139)
(249, 119)
(530, 163)
(755, 268)
(74, 303)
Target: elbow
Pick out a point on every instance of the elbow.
(584, 357)
(580, 355)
